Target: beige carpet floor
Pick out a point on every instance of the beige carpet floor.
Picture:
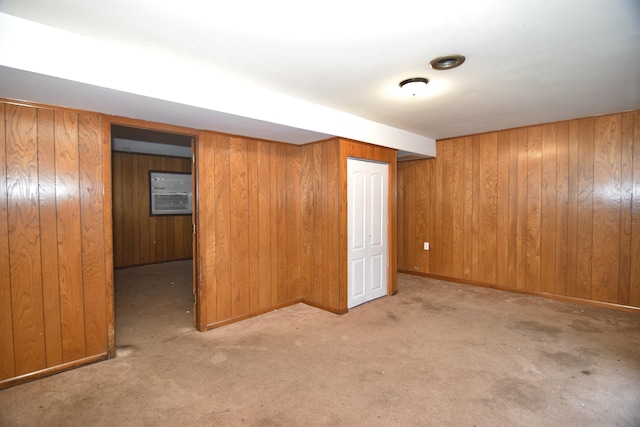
(436, 354)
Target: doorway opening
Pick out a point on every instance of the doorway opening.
(153, 203)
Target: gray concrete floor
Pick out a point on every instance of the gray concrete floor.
(436, 354)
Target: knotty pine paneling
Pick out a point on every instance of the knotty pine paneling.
(52, 270)
(138, 237)
(551, 209)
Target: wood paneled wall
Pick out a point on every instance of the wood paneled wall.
(262, 239)
(138, 237)
(53, 305)
(551, 209)
(325, 222)
(244, 215)
(320, 231)
(272, 230)
(272, 224)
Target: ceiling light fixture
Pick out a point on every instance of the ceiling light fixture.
(446, 62)
(415, 86)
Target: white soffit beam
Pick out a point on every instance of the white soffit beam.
(36, 48)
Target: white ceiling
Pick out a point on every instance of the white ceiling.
(299, 71)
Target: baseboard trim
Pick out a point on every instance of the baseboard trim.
(325, 308)
(215, 325)
(10, 382)
(526, 292)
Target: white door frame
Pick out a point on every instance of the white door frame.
(367, 225)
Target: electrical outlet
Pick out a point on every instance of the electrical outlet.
(426, 246)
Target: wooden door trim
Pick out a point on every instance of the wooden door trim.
(108, 238)
(107, 122)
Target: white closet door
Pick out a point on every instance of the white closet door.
(367, 186)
